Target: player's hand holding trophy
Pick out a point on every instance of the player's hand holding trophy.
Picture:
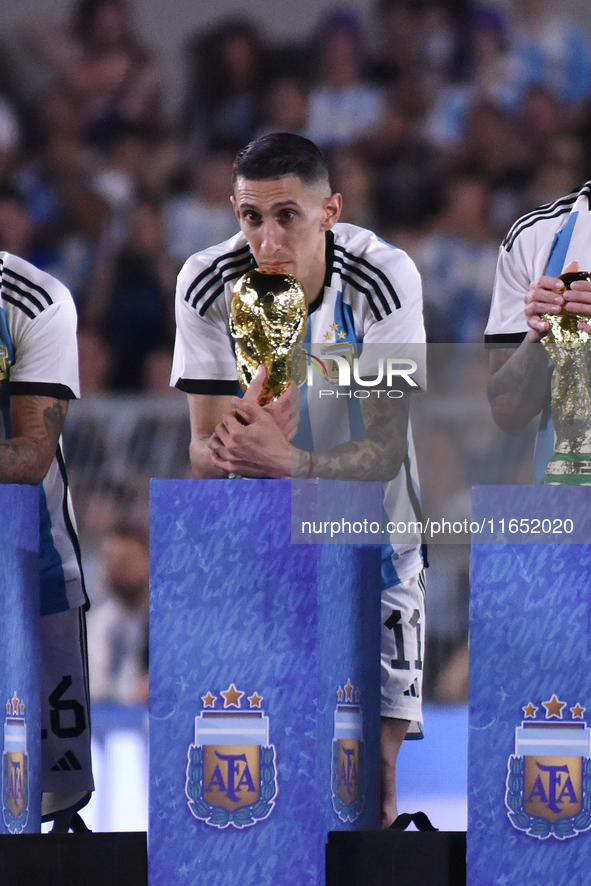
(570, 352)
(268, 320)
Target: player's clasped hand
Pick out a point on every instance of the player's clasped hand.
(547, 295)
(254, 440)
(248, 441)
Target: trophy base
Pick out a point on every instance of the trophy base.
(571, 469)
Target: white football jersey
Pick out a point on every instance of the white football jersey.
(39, 357)
(542, 242)
(371, 296)
(523, 257)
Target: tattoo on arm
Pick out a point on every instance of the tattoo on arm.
(37, 424)
(379, 453)
(53, 419)
(517, 374)
(518, 385)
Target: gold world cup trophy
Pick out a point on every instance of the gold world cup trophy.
(268, 321)
(570, 352)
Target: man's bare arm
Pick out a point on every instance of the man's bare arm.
(248, 442)
(205, 413)
(379, 453)
(518, 385)
(210, 412)
(36, 425)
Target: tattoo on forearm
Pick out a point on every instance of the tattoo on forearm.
(20, 461)
(300, 463)
(518, 387)
(523, 372)
(37, 427)
(377, 455)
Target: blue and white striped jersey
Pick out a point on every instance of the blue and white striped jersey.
(542, 242)
(523, 257)
(39, 357)
(371, 296)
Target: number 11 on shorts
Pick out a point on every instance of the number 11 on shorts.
(395, 623)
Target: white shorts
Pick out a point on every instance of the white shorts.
(402, 647)
(65, 710)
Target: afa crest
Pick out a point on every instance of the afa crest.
(15, 767)
(549, 776)
(348, 767)
(231, 770)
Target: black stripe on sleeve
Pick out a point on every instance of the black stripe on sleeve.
(214, 269)
(18, 291)
(509, 241)
(356, 259)
(365, 292)
(544, 213)
(18, 304)
(215, 387)
(504, 340)
(222, 278)
(372, 283)
(21, 279)
(227, 278)
(41, 389)
(215, 294)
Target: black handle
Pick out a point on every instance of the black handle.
(419, 819)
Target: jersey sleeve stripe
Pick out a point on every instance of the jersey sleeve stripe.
(357, 260)
(227, 278)
(243, 263)
(510, 240)
(346, 266)
(219, 283)
(221, 278)
(213, 386)
(504, 339)
(546, 212)
(18, 304)
(41, 389)
(29, 284)
(215, 294)
(215, 270)
(366, 292)
(28, 295)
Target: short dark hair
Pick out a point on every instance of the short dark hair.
(281, 153)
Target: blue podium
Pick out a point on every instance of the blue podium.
(20, 663)
(264, 668)
(529, 769)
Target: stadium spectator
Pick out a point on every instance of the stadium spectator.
(202, 215)
(285, 106)
(400, 26)
(100, 62)
(129, 300)
(457, 261)
(487, 75)
(343, 105)
(118, 624)
(226, 77)
(552, 49)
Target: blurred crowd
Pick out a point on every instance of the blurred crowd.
(443, 120)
